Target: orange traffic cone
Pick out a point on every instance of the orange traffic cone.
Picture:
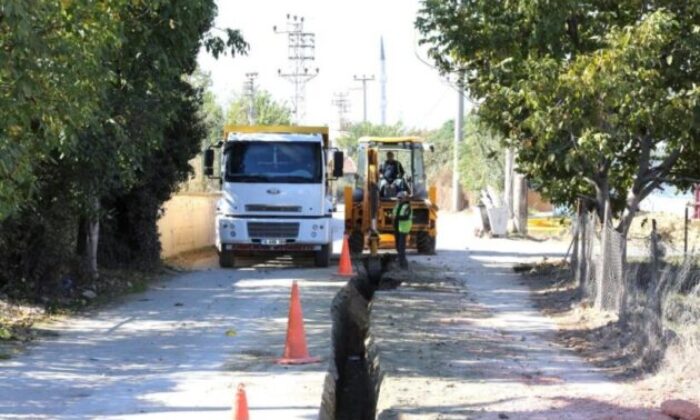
(295, 351)
(240, 407)
(345, 266)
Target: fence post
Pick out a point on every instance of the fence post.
(685, 233)
(653, 242)
(604, 265)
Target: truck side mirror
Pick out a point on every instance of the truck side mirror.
(338, 162)
(209, 162)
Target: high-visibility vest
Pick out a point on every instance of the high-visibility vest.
(403, 217)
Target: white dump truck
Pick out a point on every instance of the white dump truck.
(276, 191)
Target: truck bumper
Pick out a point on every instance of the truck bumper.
(272, 234)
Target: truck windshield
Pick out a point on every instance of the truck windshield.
(251, 161)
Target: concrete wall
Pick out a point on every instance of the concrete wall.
(187, 223)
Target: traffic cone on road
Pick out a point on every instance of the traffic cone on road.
(345, 266)
(240, 406)
(295, 350)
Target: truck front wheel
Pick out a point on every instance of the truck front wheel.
(226, 259)
(322, 258)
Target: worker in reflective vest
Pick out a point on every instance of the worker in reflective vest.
(403, 220)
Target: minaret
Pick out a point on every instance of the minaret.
(382, 80)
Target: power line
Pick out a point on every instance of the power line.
(301, 48)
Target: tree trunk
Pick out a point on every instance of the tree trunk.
(520, 203)
(93, 237)
(508, 187)
(88, 239)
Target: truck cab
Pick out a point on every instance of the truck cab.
(276, 196)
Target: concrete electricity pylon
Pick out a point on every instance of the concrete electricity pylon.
(342, 104)
(249, 91)
(364, 79)
(382, 80)
(301, 48)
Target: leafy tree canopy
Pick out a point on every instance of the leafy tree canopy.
(266, 110)
(77, 73)
(600, 99)
(348, 141)
(481, 160)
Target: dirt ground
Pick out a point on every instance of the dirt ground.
(602, 340)
(464, 340)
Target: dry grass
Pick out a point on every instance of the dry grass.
(658, 355)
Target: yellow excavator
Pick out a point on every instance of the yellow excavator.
(369, 204)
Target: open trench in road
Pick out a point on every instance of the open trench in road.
(353, 380)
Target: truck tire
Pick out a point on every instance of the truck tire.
(226, 259)
(357, 242)
(425, 243)
(322, 258)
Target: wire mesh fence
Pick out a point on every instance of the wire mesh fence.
(651, 281)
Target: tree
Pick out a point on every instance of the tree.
(97, 128)
(53, 81)
(481, 158)
(348, 141)
(211, 112)
(480, 154)
(266, 109)
(157, 145)
(599, 99)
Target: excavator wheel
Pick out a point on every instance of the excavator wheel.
(425, 243)
(357, 242)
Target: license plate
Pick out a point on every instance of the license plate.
(273, 241)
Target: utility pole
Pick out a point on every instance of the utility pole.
(249, 91)
(364, 79)
(342, 104)
(459, 135)
(382, 81)
(301, 48)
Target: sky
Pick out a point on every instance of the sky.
(347, 43)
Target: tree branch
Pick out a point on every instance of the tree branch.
(665, 167)
(644, 162)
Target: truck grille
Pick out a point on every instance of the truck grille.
(264, 207)
(273, 230)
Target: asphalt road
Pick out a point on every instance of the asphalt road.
(179, 350)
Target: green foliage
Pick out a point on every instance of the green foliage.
(598, 98)
(442, 140)
(482, 157)
(211, 112)
(53, 81)
(266, 109)
(98, 124)
(481, 161)
(348, 141)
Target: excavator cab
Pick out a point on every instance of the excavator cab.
(385, 167)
